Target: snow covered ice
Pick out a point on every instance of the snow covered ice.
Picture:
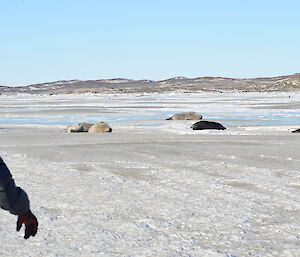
(154, 187)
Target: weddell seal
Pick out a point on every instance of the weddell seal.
(296, 131)
(204, 124)
(86, 126)
(186, 116)
(74, 128)
(100, 127)
(78, 127)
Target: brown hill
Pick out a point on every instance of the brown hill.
(199, 84)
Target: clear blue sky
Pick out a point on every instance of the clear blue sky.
(48, 40)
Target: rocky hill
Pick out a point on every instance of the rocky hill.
(200, 84)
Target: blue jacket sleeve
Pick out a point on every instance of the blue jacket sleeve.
(12, 198)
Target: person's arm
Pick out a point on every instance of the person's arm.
(12, 198)
(15, 200)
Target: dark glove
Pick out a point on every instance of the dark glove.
(31, 224)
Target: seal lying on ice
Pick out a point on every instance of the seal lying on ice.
(74, 128)
(86, 126)
(100, 127)
(81, 127)
(207, 125)
(186, 116)
(296, 131)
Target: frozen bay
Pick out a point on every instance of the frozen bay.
(279, 108)
(154, 187)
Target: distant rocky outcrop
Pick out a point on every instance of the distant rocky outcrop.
(182, 84)
(186, 116)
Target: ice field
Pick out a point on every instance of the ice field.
(154, 187)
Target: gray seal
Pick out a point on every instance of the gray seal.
(74, 128)
(86, 126)
(204, 124)
(81, 127)
(186, 116)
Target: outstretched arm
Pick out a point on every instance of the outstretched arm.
(12, 198)
(15, 200)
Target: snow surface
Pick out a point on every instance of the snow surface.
(154, 187)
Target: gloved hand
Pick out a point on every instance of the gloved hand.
(31, 224)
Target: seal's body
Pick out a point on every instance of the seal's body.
(100, 127)
(86, 126)
(186, 116)
(200, 125)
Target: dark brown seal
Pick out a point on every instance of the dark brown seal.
(204, 124)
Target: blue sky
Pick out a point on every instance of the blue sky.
(147, 39)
